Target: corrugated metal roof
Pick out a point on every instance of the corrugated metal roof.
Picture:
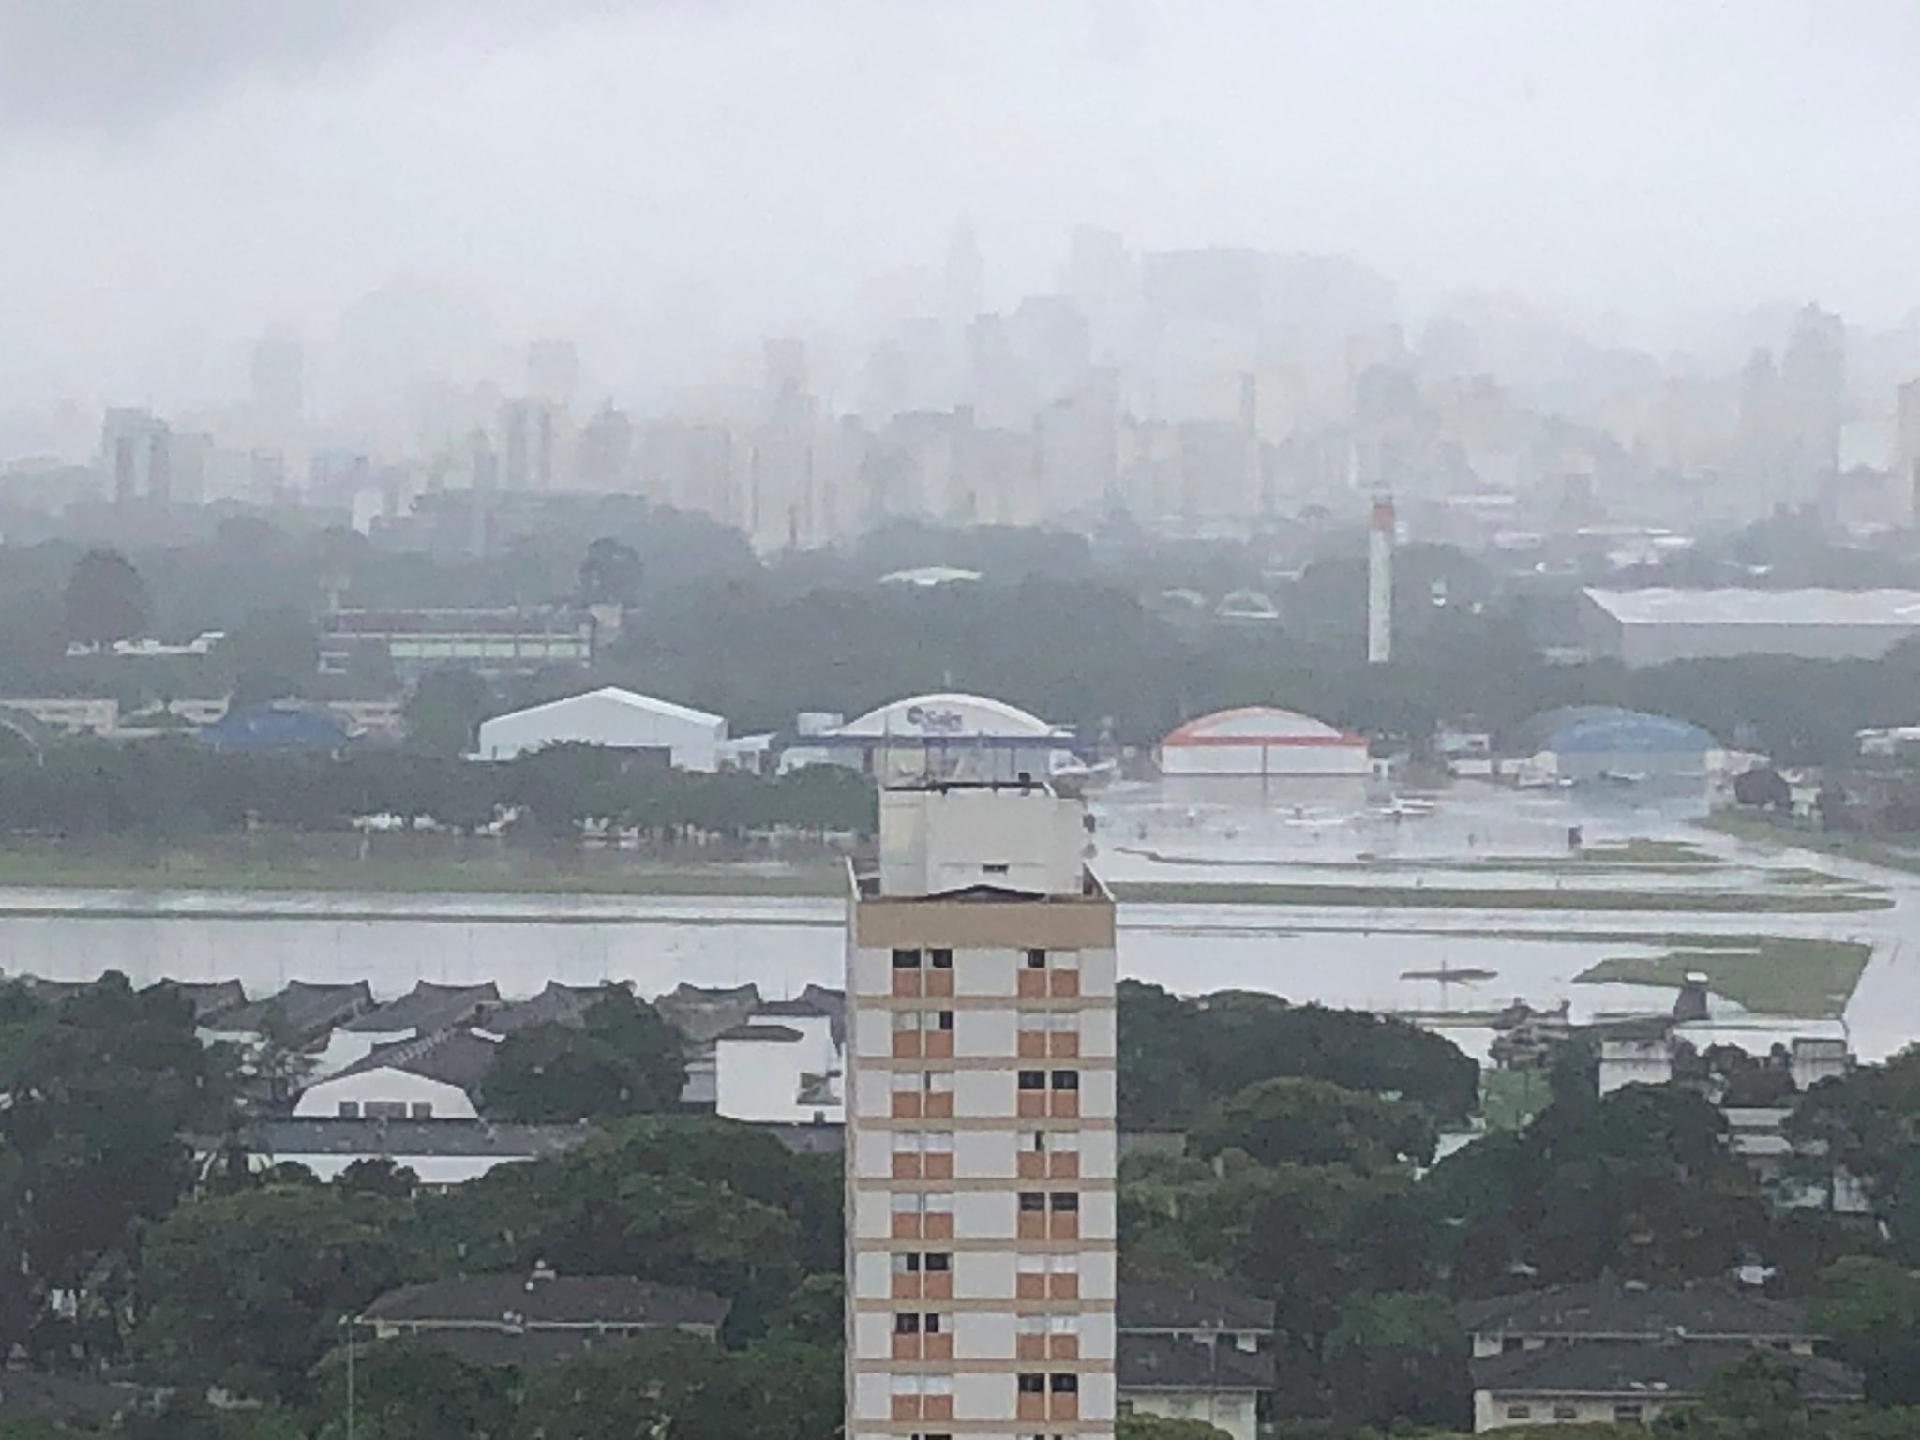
(1659, 606)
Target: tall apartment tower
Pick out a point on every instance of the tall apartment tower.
(981, 1145)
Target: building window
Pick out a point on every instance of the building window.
(1031, 1384)
(941, 959)
(1065, 1382)
(906, 1322)
(1062, 1202)
(1519, 1412)
(349, 1109)
(1066, 1079)
(906, 959)
(937, 1261)
(1033, 1079)
(386, 1109)
(422, 1110)
(1032, 1200)
(1629, 1414)
(1036, 959)
(1565, 1412)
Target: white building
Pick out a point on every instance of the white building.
(782, 1065)
(1655, 626)
(615, 718)
(435, 1078)
(981, 1140)
(1260, 753)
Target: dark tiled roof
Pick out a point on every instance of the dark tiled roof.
(1670, 1370)
(306, 1009)
(425, 1008)
(1606, 1307)
(485, 1300)
(1187, 1301)
(782, 1033)
(453, 1057)
(1167, 1362)
(525, 1348)
(700, 1013)
(556, 1005)
(799, 1009)
(396, 1139)
(209, 998)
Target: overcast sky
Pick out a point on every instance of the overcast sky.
(176, 174)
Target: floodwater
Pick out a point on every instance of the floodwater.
(1474, 835)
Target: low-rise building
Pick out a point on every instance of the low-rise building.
(519, 640)
(439, 1152)
(539, 1318)
(1609, 1351)
(297, 1016)
(437, 1077)
(1193, 1349)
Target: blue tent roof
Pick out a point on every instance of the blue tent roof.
(1606, 730)
(275, 727)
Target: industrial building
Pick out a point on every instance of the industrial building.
(615, 718)
(523, 640)
(1260, 740)
(964, 738)
(981, 1141)
(1657, 626)
(1584, 743)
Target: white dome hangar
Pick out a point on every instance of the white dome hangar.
(1262, 740)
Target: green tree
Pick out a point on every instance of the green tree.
(1400, 1359)
(444, 712)
(246, 1290)
(379, 1177)
(610, 574)
(624, 1059)
(412, 1390)
(106, 599)
(1315, 1122)
(97, 1090)
(1871, 1311)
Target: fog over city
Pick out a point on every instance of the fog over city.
(667, 182)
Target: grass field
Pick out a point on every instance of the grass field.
(1766, 974)
(400, 864)
(1845, 847)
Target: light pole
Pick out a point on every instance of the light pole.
(346, 1323)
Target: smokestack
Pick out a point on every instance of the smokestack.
(1380, 582)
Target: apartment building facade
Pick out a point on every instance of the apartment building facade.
(982, 1148)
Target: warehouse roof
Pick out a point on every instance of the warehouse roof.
(547, 1299)
(647, 703)
(947, 717)
(1259, 725)
(1659, 606)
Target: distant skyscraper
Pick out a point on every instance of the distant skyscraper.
(1813, 392)
(1906, 451)
(279, 391)
(964, 280)
(134, 452)
(553, 370)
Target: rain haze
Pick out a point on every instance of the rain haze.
(667, 181)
